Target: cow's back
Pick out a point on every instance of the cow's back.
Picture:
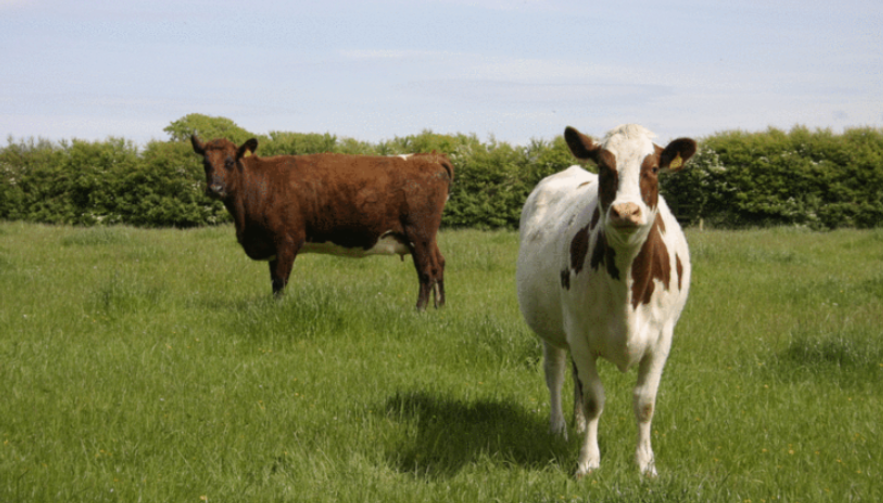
(335, 194)
(550, 213)
(338, 174)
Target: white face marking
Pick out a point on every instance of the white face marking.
(405, 157)
(630, 144)
(387, 245)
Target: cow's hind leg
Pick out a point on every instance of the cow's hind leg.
(438, 291)
(428, 262)
(423, 255)
(554, 365)
(579, 414)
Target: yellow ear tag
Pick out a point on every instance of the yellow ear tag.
(246, 154)
(676, 163)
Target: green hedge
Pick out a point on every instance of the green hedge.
(737, 179)
(810, 178)
(162, 185)
(110, 182)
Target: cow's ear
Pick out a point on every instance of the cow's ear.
(247, 148)
(677, 153)
(581, 146)
(198, 146)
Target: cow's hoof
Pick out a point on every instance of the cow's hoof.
(649, 471)
(587, 468)
(580, 474)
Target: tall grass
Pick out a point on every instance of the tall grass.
(154, 365)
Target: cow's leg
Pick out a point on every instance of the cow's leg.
(280, 267)
(277, 283)
(593, 406)
(554, 366)
(423, 254)
(579, 415)
(439, 287)
(649, 375)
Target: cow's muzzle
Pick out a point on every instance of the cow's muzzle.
(625, 216)
(216, 191)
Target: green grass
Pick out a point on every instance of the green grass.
(154, 365)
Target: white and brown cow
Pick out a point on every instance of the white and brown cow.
(604, 270)
(349, 205)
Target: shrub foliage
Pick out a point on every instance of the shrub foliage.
(809, 178)
(737, 179)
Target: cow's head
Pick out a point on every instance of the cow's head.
(628, 167)
(223, 164)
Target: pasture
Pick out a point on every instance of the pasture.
(154, 365)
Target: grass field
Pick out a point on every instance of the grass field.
(154, 365)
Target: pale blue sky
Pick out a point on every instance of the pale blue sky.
(376, 69)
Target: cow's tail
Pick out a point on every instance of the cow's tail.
(449, 167)
(447, 164)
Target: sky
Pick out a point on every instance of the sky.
(373, 70)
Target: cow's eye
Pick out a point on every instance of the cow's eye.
(655, 170)
(228, 163)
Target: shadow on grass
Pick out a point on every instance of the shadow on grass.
(446, 434)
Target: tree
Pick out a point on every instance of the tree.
(207, 128)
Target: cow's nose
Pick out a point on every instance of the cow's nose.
(215, 190)
(626, 214)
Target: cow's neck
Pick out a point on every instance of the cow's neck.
(631, 266)
(651, 263)
(253, 189)
(616, 255)
(236, 208)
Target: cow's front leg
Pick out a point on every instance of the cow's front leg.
(280, 267)
(649, 375)
(593, 406)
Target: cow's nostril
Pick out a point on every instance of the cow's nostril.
(625, 210)
(625, 214)
(215, 190)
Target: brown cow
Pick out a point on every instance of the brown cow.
(338, 204)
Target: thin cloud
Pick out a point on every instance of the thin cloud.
(14, 4)
(385, 54)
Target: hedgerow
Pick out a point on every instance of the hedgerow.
(809, 178)
(737, 179)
